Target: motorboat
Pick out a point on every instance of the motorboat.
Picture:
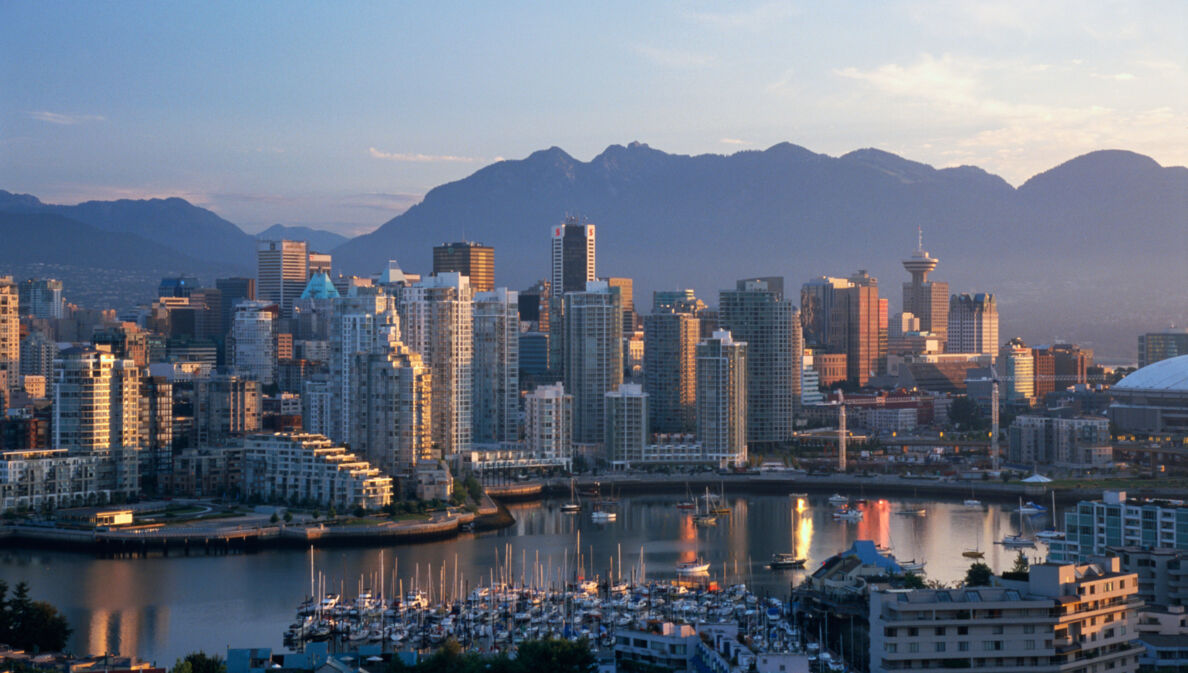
(1047, 535)
(603, 516)
(1017, 541)
(1031, 508)
(912, 565)
(783, 561)
(973, 503)
(838, 499)
(848, 514)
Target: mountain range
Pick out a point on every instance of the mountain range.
(1090, 250)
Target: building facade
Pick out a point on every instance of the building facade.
(1095, 526)
(973, 324)
(282, 270)
(253, 341)
(297, 467)
(10, 334)
(1064, 442)
(573, 256)
(722, 398)
(592, 355)
(627, 434)
(670, 370)
(473, 260)
(495, 400)
(548, 427)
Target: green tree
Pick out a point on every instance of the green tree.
(965, 414)
(200, 662)
(1022, 565)
(978, 575)
(31, 625)
(274, 518)
(913, 581)
(288, 517)
(556, 655)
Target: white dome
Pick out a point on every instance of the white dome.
(1170, 375)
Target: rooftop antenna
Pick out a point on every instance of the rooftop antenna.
(919, 237)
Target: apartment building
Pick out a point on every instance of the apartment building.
(1094, 526)
(304, 467)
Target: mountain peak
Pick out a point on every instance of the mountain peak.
(1101, 168)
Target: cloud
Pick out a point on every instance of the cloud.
(420, 158)
(64, 119)
(756, 18)
(673, 58)
(1121, 76)
(734, 141)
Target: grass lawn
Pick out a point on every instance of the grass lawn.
(1127, 483)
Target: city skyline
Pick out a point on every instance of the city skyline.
(163, 107)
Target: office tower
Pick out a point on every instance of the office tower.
(676, 301)
(534, 306)
(810, 381)
(548, 424)
(1156, 346)
(573, 256)
(757, 313)
(156, 424)
(177, 286)
(392, 420)
(534, 359)
(817, 298)
(1016, 367)
(234, 290)
(225, 407)
(473, 260)
(41, 298)
(626, 288)
(253, 341)
(1071, 364)
(973, 324)
(37, 355)
(626, 434)
(319, 262)
(1044, 367)
(437, 319)
(722, 398)
(854, 328)
(592, 355)
(495, 402)
(670, 371)
(926, 299)
(282, 269)
(10, 332)
(360, 326)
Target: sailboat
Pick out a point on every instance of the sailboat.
(1053, 533)
(1018, 541)
(972, 502)
(688, 502)
(783, 560)
(720, 506)
(976, 552)
(706, 518)
(573, 506)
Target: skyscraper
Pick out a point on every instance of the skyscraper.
(722, 399)
(234, 290)
(926, 299)
(854, 327)
(473, 260)
(253, 341)
(496, 390)
(573, 256)
(670, 343)
(626, 288)
(593, 355)
(360, 326)
(1152, 346)
(282, 270)
(96, 402)
(1016, 366)
(973, 324)
(10, 333)
(548, 427)
(627, 433)
(392, 419)
(816, 308)
(41, 298)
(757, 313)
(437, 319)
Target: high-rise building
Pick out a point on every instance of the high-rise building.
(177, 286)
(670, 372)
(234, 290)
(626, 435)
(41, 298)
(10, 333)
(593, 355)
(676, 301)
(1156, 346)
(96, 402)
(854, 327)
(319, 262)
(722, 399)
(548, 427)
(253, 341)
(1094, 526)
(573, 256)
(495, 403)
(37, 355)
(473, 260)
(437, 319)
(1064, 442)
(534, 306)
(757, 313)
(225, 407)
(360, 326)
(282, 270)
(1071, 364)
(817, 298)
(626, 288)
(926, 299)
(1016, 368)
(156, 423)
(391, 422)
(973, 324)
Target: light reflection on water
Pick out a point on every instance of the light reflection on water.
(160, 609)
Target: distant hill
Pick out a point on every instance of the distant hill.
(173, 223)
(319, 240)
(49, 238)
(1074, 253)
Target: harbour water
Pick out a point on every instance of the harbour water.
(162, 608)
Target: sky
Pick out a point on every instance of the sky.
(342, 115)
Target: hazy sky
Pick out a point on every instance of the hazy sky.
(343, 114)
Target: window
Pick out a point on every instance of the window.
(962, 630)
(913, 631)
(963, 646)
(913, 647)
(890, 648)
(1029, 645)
(988, 645)
(889, 632)
(940, 630)
(940, 647)
(1029, 628)
(998, 629)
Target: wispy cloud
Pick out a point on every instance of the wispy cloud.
(673, 58)
(420, 158)
(64, 119)
(755, 18)
(734, 141)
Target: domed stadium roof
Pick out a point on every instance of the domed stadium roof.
(1170, 375)
(320, 287)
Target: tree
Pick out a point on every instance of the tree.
(200, 662)
(912, 581)
(965, 414)
(1022, 565)
(978, 575)
(274, 518)
(288, 517)
(556, 655)
(31, 625)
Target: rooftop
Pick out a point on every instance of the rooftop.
(1170, 375)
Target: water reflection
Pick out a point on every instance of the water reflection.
(163, 608)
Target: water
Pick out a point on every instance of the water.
(162, 608)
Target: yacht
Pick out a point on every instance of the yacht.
(848, 514)
(973, 503)
(1017, 541)
(697, 567)
(1031, 508)
(781, 561)
(573, 506)
(838, 499)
